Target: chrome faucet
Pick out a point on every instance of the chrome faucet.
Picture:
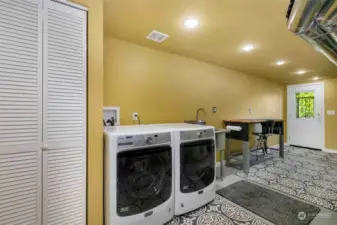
(198, 111)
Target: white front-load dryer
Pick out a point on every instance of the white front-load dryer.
(138, 175)
(194, 166)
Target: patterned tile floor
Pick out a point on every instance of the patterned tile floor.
(219, 212)
(306, 174)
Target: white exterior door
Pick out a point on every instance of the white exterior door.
(306, 115)
(20, 111)
(64, 114)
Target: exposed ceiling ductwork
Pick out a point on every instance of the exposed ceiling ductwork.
(316, 22)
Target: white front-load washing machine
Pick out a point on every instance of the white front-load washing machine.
(194, 165)
(138, 175)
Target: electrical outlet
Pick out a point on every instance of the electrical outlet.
(250, 110)
(135, 116)
(214, 109)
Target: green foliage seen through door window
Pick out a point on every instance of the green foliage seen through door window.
(305, 105)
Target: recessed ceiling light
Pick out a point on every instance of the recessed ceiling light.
(315, 78)
(280, 63)
(191, 23)
(300, 72)
(247, 48)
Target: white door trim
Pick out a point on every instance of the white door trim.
(323, 106)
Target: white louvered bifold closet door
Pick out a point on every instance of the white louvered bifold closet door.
(64, 117)
(20, 111)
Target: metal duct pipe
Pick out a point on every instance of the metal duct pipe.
(316, 22)
(328, 14)
(323, 42)
(303, 14)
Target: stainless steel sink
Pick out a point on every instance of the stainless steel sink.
(200, 122)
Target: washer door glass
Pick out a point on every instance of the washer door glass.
(197, 165)
(144, 179)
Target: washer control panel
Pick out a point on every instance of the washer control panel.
(126, 141)
(196, 134)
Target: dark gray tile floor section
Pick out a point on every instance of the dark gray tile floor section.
(270, 205)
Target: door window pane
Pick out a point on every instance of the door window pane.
(305, 105)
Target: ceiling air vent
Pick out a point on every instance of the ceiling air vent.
(157, 36)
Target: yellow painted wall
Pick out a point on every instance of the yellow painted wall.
(165, 88)
(330, 95)
(331, 121)
(95, 104)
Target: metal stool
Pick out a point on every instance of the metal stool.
(262, 140)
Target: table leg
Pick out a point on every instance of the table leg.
(246, 154)
(228, 151)
(221, 165)
(281, 143)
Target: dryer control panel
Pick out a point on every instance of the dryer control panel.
(196, 134)
(126, 141)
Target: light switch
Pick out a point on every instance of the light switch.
(331, 112)
(214, 109)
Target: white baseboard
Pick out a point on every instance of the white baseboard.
(324, 150)
(330, 150)
(277, 146)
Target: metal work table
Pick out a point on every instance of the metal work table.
(244, 135)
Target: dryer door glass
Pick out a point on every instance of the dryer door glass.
(197, 165)
(144, 179)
